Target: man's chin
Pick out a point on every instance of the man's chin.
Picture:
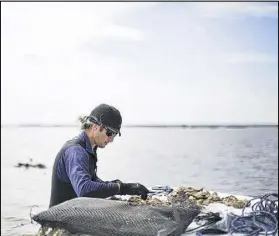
(102, 146)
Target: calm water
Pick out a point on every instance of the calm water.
(237, 161)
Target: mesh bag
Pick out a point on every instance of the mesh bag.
(103, 217)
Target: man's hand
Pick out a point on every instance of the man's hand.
(134, 189)
(117, 181)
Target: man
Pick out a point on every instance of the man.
(75, 168)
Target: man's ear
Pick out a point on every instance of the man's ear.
(95, 127)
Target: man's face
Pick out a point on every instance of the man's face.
(103, 136)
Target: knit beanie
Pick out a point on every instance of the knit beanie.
(107, 115)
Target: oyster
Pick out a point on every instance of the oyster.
(204, 197)
(234, 202)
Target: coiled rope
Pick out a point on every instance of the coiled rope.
(262, 219)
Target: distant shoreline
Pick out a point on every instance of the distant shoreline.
(234, 126)
(202, 126)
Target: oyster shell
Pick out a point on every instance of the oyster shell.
(204, 197)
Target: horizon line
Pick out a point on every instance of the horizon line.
(232, 125)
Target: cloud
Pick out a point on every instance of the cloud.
(58, 28)
(157, 65)
(122, 32)
(228, 10)
(43, 64)
(251, 58)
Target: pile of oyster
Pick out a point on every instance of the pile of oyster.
(203, 197)
(149, 201)
(198, 196)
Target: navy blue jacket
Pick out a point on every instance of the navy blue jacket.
(75, 173)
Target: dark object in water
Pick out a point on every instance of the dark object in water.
(27, 165)
(103, 217)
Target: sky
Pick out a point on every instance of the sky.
(158, 63)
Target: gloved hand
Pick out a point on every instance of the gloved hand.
(117, 181)
(134, 189)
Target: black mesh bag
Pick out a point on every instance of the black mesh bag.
(103, 217)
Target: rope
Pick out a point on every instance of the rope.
(262, 219)
(22, 224)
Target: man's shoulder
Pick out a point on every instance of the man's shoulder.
(74, 154)
(75, 149)
(73, 143)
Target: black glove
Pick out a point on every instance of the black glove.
(134, 189)
(117, 181)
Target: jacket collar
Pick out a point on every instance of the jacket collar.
(83, 136)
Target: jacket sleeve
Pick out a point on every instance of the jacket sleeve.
(77, 169)
(99, 180)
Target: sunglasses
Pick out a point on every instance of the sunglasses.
(109, 133)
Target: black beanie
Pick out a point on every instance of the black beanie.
(107, 115)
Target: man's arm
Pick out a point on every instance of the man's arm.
(97, 179)
(77, 169)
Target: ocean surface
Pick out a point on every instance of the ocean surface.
(236, 161)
